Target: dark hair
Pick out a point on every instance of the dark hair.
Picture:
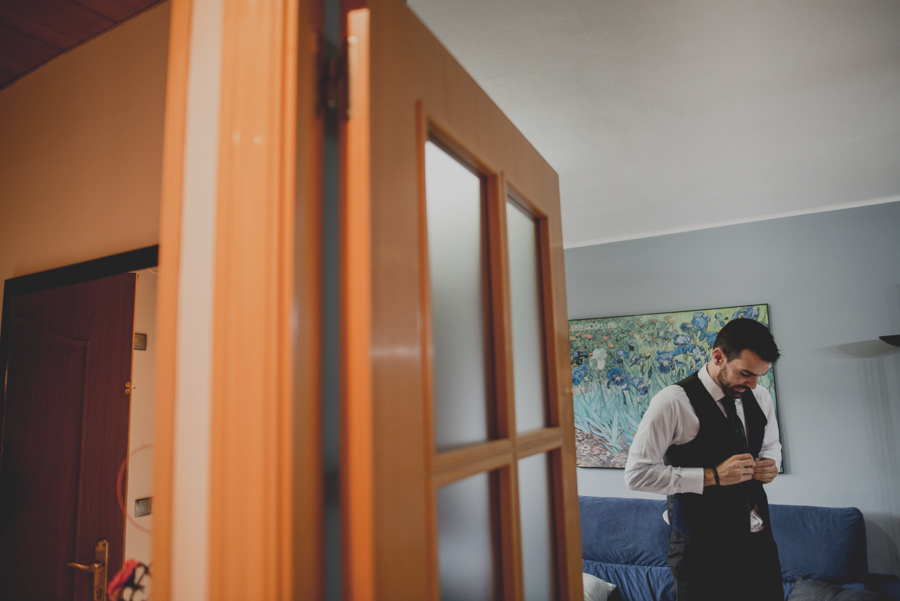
(741, 334)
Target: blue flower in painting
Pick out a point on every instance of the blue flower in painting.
(699, 355)
(700, 320)
(685, 349)
(681, 340)
(710, 337)
(616, 377)
(639, 359)
(746, 313)
(638, 384)
(666, 360)
(578, 374)
(687, 328)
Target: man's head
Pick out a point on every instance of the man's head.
(740, 334)
(743, 352)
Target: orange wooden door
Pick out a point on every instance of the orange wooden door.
(64, 436)
(458, 447)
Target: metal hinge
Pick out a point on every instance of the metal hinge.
(334, 87)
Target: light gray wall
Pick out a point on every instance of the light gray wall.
(832, 282)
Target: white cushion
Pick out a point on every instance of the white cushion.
(596, 589)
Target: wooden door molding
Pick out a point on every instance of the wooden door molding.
(356, 317)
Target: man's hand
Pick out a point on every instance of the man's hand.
(735, 469)
(765, 470)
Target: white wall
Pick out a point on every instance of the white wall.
(138, 537)
(832, 281)
(81, 150)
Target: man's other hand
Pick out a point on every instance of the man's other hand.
(765, 470)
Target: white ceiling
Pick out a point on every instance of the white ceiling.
(672, 115)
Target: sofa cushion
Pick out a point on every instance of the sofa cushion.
(823, 543)
(814, 590)
(624, 531)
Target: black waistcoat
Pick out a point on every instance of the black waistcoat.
(721, 511)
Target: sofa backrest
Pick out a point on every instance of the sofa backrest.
(624, 531)
(825, 543)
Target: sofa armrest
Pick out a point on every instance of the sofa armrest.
(824, 543)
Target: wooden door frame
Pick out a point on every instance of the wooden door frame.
(265, 303)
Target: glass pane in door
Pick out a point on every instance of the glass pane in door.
(537, 532)
(527, 322)
(465, 548)
(459, 300)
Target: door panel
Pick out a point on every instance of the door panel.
(526, 319)
(421, 99)
(45, 409)
(460, 314)
(536, 511)
(65, 435)
(466, 552)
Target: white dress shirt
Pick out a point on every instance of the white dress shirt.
(670, 420)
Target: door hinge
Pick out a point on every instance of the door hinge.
(333, 78)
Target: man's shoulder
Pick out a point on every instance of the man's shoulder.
(669, 405)
(669, 394)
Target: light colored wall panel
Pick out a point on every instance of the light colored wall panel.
(81, 150)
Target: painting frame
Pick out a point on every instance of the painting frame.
(619, 363)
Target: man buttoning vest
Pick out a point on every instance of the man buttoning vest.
(710, 443)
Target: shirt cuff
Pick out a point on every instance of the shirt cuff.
(775, 456)
(692, 479)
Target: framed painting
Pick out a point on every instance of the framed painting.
(619, 363)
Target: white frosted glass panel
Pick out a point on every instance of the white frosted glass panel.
(457, 267)
(537, 530)
(465, 549)
(527, 324)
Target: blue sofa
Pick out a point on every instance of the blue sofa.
(624, 541)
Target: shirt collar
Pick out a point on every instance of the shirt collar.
(711, 386)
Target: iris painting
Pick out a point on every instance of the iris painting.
(619, 363)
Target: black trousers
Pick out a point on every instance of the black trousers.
(742, 568)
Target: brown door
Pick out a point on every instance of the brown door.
(459, 449)
(64, 436)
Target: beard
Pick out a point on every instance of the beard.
(733, 392)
